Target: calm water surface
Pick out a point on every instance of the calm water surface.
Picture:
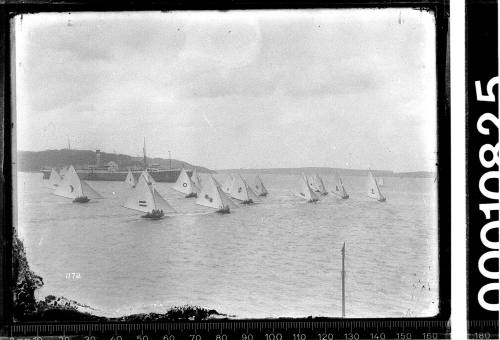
(281, 257)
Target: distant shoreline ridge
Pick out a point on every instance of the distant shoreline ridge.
(331, 171)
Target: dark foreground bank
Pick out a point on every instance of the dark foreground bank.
(52, 308)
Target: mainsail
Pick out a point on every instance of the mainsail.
(241, 191)
(144, 197)
(130, 180)
(63, 171)
(339, 189)
(185, 185)
(373, 189)
(228, 184)
(258, 186)
(318, 185)
(54, 179)
(72, 187)
(305, 190)
(148, 176)
(195, 177)
(212, 196)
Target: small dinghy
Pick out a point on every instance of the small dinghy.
(185, 185)
(130, 180)
(339, 189)
(212, 196)
(373, 189)
(145, 198)
(317, 185)
(72, 187)
(241, 191)
(258, 187)
(54, 179)
(305, 190)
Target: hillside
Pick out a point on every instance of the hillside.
(34, 161)
(330, 171)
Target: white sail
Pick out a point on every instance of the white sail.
(63, 171)
(380, 182)
(195, 177)
(54, 179)
(228, 184)
(241, 191)
(258, 186)
(373, 189)
(130, 180)
(311, 181)
(161, 203)
(148, 177)
(318, 185)
(212, 196)
(184, 184)
(88, 191)
(144, 197)
(72, 187)
(339, 189)
(305, 190)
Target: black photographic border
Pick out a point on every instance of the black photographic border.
(481, 42)
(440, 9)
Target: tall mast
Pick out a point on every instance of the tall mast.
(343, 281)
(144, 153)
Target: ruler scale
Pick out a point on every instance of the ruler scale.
(348, 329)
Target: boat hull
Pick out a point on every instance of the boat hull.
(169, 176)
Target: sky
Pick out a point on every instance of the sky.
(235, 89)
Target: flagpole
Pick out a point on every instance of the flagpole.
(343, 281)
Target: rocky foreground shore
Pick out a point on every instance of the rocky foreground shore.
(53, 308)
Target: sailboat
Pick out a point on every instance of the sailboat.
(72, 187)
(212, 196)
(195, 177)
(185, 185)
(373, 189)
(339, 189)
(228, 184)
(305, 190)
(317, 185)
(241, 191)
(130, 180)
(54, 179)
(258, 186)
(145, 198)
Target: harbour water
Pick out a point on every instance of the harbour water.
(278, 258)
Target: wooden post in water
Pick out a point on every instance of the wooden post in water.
(343, 281)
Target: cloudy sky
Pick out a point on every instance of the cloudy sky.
(237, 89)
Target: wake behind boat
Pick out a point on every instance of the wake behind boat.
(145, 198)
(72, 187)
